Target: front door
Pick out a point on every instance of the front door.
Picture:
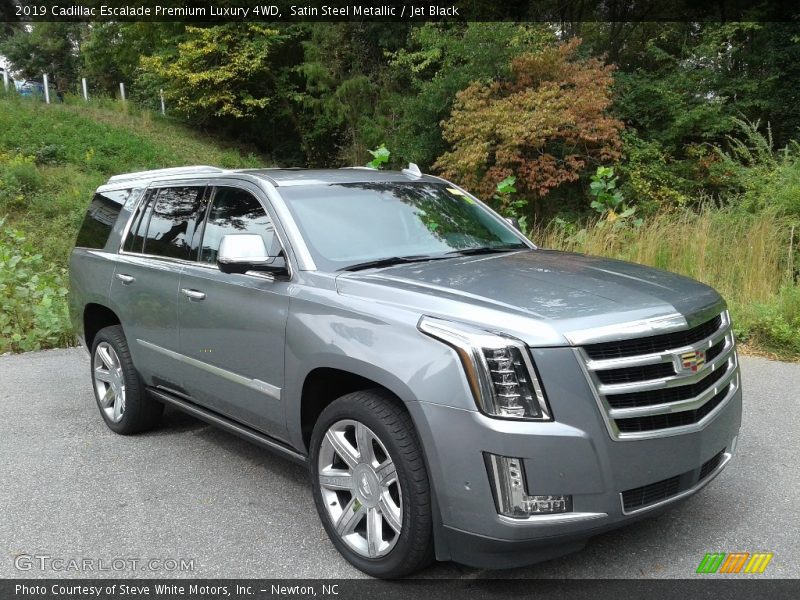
(232, 326)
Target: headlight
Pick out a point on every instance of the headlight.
(499, 369)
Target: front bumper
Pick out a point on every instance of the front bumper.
(573, 455)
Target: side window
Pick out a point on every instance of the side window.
(233, 211)
(172, 222)
(135, 240)
(100, 218)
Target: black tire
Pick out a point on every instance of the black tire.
(388, 419)
(141, 412)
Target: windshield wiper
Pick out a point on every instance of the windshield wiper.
(391, 260)
(487, 250)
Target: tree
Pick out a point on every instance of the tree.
(52, 48)
(547, 123)
(344, 81)
(437, 62)
(222, 72)
(112, 51)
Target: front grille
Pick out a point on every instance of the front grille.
(665, 421)
(656, 343)
(650, 494)
(653, 493)
(649, 386)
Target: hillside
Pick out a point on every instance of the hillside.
(53, 157)
(51, 160)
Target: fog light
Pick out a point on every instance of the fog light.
(507, 477)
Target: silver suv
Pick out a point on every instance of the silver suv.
(456, 392)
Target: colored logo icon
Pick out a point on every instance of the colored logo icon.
(735, 562)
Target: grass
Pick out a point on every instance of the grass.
(748, 258)
(53, 157)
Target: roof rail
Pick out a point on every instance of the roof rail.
(362, 168)
(193, 170)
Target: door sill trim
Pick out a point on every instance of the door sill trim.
(229, 425)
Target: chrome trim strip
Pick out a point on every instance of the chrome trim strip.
(644, 327)
(559, 519)
(626, 331)
(726, 457)
(261, 386)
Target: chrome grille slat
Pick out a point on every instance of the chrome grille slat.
(640, 405)
(659, 357)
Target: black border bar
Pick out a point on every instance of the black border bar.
(556, 11)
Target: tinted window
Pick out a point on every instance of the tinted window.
(135, 240)
(100, 218)
(233, 211)
(172, 222)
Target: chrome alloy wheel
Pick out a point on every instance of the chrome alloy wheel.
(109, 382)
(360, 489)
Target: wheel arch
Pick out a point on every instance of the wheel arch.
(96, 317)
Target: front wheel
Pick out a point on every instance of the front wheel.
(371, 485)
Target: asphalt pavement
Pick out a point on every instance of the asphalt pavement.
(73, 491)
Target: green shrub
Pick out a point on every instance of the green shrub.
(33, 305)
(20, 173)
(773, 325)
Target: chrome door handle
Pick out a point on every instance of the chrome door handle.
(193, 294)
(125, 279)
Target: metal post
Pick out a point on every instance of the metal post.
(46, 88)
(5, 80)
(163, 111)
(122, 91)
(85, 89)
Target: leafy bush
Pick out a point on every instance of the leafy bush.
(380, 156)
(33, 305)
(762, 176)
(609, 201)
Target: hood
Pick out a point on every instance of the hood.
(538, 295)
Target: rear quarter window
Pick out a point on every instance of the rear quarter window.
(100, 218)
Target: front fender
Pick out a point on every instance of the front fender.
(382, 345)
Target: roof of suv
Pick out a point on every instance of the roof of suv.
(286, 177)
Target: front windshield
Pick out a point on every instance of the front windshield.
(345, 224)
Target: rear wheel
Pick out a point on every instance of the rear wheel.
(371, 485)
(123, 402)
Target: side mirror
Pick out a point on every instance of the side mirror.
(514, 222)
(242, 252)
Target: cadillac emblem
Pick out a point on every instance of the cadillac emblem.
(692, 361)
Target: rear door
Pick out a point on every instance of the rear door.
(232, 326)
(144, 288)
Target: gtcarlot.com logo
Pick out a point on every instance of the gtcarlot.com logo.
(735, 562)
(45, 562)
